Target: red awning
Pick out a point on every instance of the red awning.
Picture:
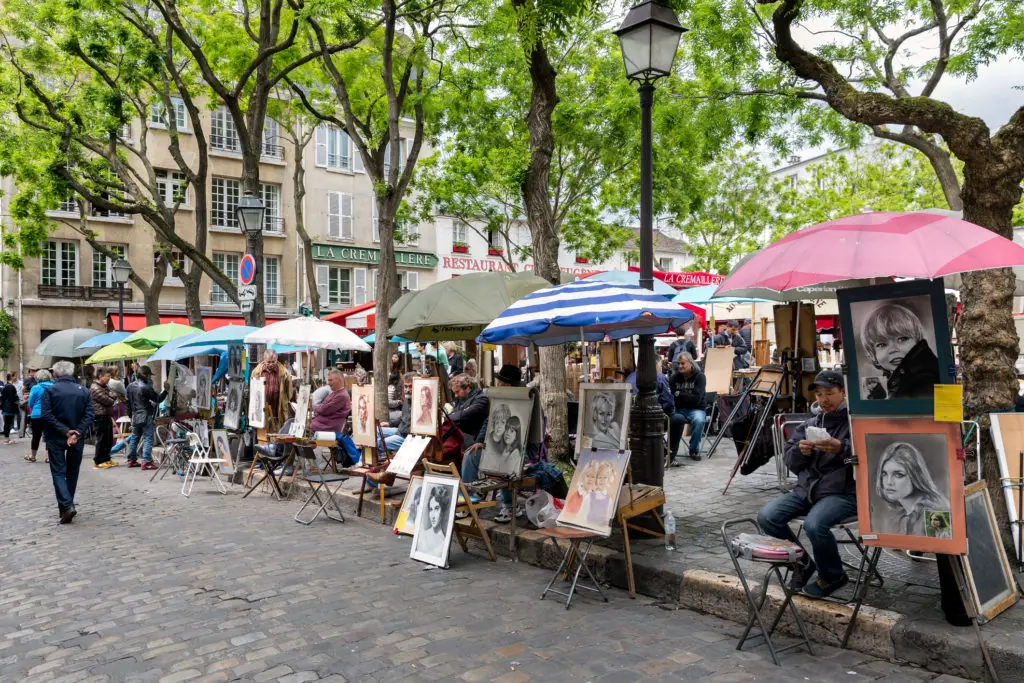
(361, 318)
(133, 322)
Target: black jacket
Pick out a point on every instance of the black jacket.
(917, 375)
(406, 424)
(688, 391)
(456, 364)
(739, 348)
(9, 399)
(143, 401)
(471, 412)
(680, 345)
(66, 405)
(822, 474)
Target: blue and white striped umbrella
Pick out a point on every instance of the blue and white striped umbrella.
(585, 309)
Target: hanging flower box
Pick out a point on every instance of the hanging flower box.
(582, 259)
(460, 248)
(494, 251)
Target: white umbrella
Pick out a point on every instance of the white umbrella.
(308, 333)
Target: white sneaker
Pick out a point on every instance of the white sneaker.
(504, 515)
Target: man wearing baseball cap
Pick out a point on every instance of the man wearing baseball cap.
(825, 490)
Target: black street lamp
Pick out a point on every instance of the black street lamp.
(250, 213)
(122, 271)
(649, 36)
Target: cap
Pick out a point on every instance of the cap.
(828, 379)
(510, 374)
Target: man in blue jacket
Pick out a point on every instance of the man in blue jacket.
(826, 491)
(66, 412)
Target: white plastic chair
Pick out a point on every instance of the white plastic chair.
(200, 458)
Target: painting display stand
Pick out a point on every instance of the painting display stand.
(580, 543)
(473, 528)
(364, 470)
(514, 485)
(641, 500)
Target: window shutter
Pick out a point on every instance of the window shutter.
(376, 221)
(323, 275)
(373, 281)
(357, 159)
(387, 161)
(359, 275)
(346, 215)
(334, 214)
(344, 151)
(412, 281)
(321, 145)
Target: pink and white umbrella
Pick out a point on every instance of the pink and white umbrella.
(874, 245)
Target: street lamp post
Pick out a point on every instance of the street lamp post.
(649, 37)
(122, 271)
(250, 212)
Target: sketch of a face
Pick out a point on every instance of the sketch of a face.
(510, 438)
(434, 512)
(362, 413)
(233, 401)
(590, 479)
(895, 483)
(604, 412)
(890, 351)
(604, 478)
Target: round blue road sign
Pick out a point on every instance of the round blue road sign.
(246, 269)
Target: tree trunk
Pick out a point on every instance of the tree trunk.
(544, 234)
(193, 306)
(986, 332)
(299, 181)
(386, 295)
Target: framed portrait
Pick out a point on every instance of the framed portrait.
(222, 447)
(235, 360)
(435, 520)
(896, 339)
(406, 521)
(204, 377)
(424, 406)
(408, 455)
(594, 491)
(989, 577)
(910, 491)
(233, 405)
(363, 416)
(301, 412)
(257, 402)
(508, 433)
(603, 421)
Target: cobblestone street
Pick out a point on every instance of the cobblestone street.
(146, 585)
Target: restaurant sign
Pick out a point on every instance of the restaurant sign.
(695, 279)
(371, 257)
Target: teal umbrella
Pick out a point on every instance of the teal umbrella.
(371, 338)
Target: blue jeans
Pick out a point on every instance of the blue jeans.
(392, 439)
(696, 417)
(775, 516)
(143, 433)
(65, 462)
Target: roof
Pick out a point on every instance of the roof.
(662, 242)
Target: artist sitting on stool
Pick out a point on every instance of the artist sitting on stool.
(825, 490)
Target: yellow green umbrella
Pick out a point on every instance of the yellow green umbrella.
(118, 351)
(155, 336)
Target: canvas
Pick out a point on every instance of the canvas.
(435, 518)
(406, 521)
(204, 375)
(257, 402)
(301, 412)
(910, 484)
(594, 491)
(424, 406)
(408, 455)
(508, 431)
(363, 416)
(604, 416)
(221, 446)
(233, 406)
(235, 360)
(989, 577)
(896, 342)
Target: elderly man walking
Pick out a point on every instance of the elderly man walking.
(66, 413)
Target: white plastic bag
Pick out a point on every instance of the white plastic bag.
(541, 510)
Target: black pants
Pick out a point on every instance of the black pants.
(8, 424)
(104, 439)
(37, 432)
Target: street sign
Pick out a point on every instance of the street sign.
(246, 305)
(246, 293)
(246, 269)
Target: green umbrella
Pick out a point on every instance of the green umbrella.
(155, 336)
(118, 351)
(461, 307)
(64, 344)
(399, 306)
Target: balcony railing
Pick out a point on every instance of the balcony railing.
(82, 293)
(271, 150)
(221, 297)
(225, 143)
(273, 224)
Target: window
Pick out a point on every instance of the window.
(228, 264)
(339, 215)
(97, 212)
(402, 147)
(69, 205)
(333, 148)
(271, 196)
(224, 194)
(103, 267)
(376, 222)
(412, 236)
(172, 187)
(158, 114)
(271, 148)
(792, 179)
(175, 261)
(410, 280)
(334, 286)
(665, 265)
(60, 264)
(460, 234)
(223, 135)
(271, 279)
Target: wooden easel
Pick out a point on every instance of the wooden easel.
(474, 528)
(514, 485)
(642, 499)
(364, 469)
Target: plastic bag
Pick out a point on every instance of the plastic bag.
(542, 509)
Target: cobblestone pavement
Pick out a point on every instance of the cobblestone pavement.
(146, 585)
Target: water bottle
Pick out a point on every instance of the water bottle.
(670, 531)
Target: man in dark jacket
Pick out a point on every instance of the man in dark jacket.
(731, 337)
(687, 386)
(66, 412)
(471, 407)
(825, 490)
(683, 342)
(143, 402)
(103, 400)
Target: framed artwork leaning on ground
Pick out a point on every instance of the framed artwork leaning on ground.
(604, 417)
(435, 518)
(896, 339)
(910, 491)
(988, 572)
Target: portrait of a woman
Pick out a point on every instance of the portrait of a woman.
(905, 492)
(433, 531)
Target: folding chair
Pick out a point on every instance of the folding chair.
(319, 482)
(200, 459)
(711, 408)
(269, 457)
(174, 454)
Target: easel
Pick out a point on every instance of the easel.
(514, 485)
(462, 531)
(766, 388)
(364, 469)
(642, 499)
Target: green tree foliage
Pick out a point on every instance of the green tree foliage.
(8, 326)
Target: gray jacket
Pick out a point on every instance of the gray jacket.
(822, 474)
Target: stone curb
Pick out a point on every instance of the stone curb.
(880, 633)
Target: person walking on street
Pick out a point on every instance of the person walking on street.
(35, 407)
(66, 413)
(103, 400)
(143, 402)
(9, 400)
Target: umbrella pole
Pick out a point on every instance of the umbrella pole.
(799, 364)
